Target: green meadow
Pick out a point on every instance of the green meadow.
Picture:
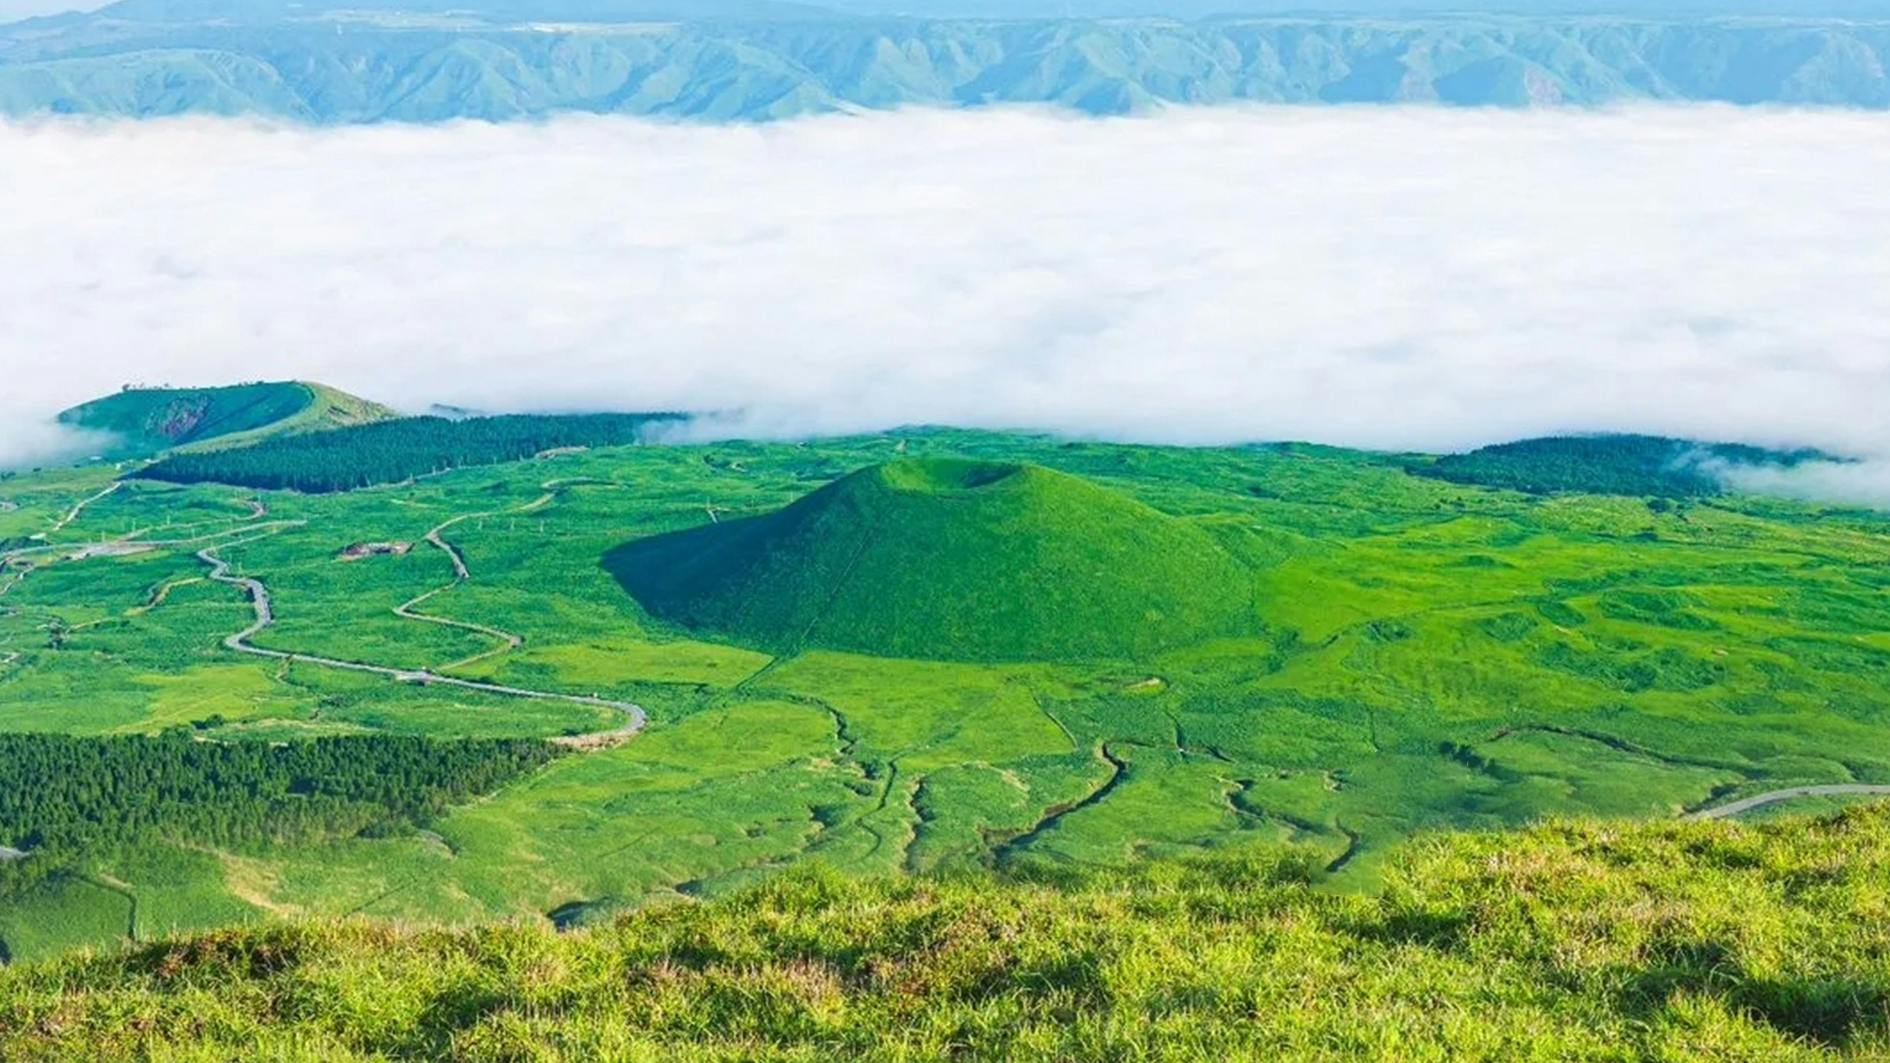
(1301, 649)
(1567, 941)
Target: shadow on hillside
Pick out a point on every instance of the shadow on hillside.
(1831, 1011)
(653, 569)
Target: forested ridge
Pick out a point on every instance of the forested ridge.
(64, 798)
(1654, 466)
(394, 451)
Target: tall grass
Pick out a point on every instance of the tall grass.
(1572, 940)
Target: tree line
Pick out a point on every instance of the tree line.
(64, 799)
(1648, 466)
(395, 451)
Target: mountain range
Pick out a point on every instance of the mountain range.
(430, 60)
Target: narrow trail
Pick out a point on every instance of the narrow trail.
(634, 717)
(25, 551)
(510, 642)
(163, 592)
(131, 544)
(1773, 797)
(73, 513)
(408, 610)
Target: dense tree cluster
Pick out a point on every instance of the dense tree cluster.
(1606, 465)
(64, 797)
(393, 451)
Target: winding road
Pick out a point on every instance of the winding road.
(1772, 797)
(407, 610)
(634, 717)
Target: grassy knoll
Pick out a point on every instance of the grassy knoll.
(948, 559)
(1412, 654)
(1576, 940)
(146, 421)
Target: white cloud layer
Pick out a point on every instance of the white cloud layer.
(1865, 483)
(1381, 277)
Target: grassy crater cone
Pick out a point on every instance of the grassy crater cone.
(943, 559)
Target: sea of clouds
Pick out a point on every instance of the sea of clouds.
(1381, 277)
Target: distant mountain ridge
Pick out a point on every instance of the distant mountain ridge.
(140, 422)
(752, 61)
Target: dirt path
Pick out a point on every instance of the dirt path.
(131, 544)
(634, 716)
(25, 551)
(73, 513)
(163, 592)
(1773, 797)
(407, 610)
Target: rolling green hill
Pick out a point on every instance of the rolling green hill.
(1569, 941)
(147, 421)
(948, 559)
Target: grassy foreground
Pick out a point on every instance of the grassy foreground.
(1571, 940)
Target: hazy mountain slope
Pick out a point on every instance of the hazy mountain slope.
(429, 67)
(147, 421)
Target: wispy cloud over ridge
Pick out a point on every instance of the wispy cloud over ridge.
(1385, 277)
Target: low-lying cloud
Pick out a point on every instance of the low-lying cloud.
(1865, 483)
(27, 440)
(1406, 278)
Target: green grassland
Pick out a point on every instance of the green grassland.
(1404, 654)
(1573, 940)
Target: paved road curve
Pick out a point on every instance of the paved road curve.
(634, 716)
(1773, 797)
